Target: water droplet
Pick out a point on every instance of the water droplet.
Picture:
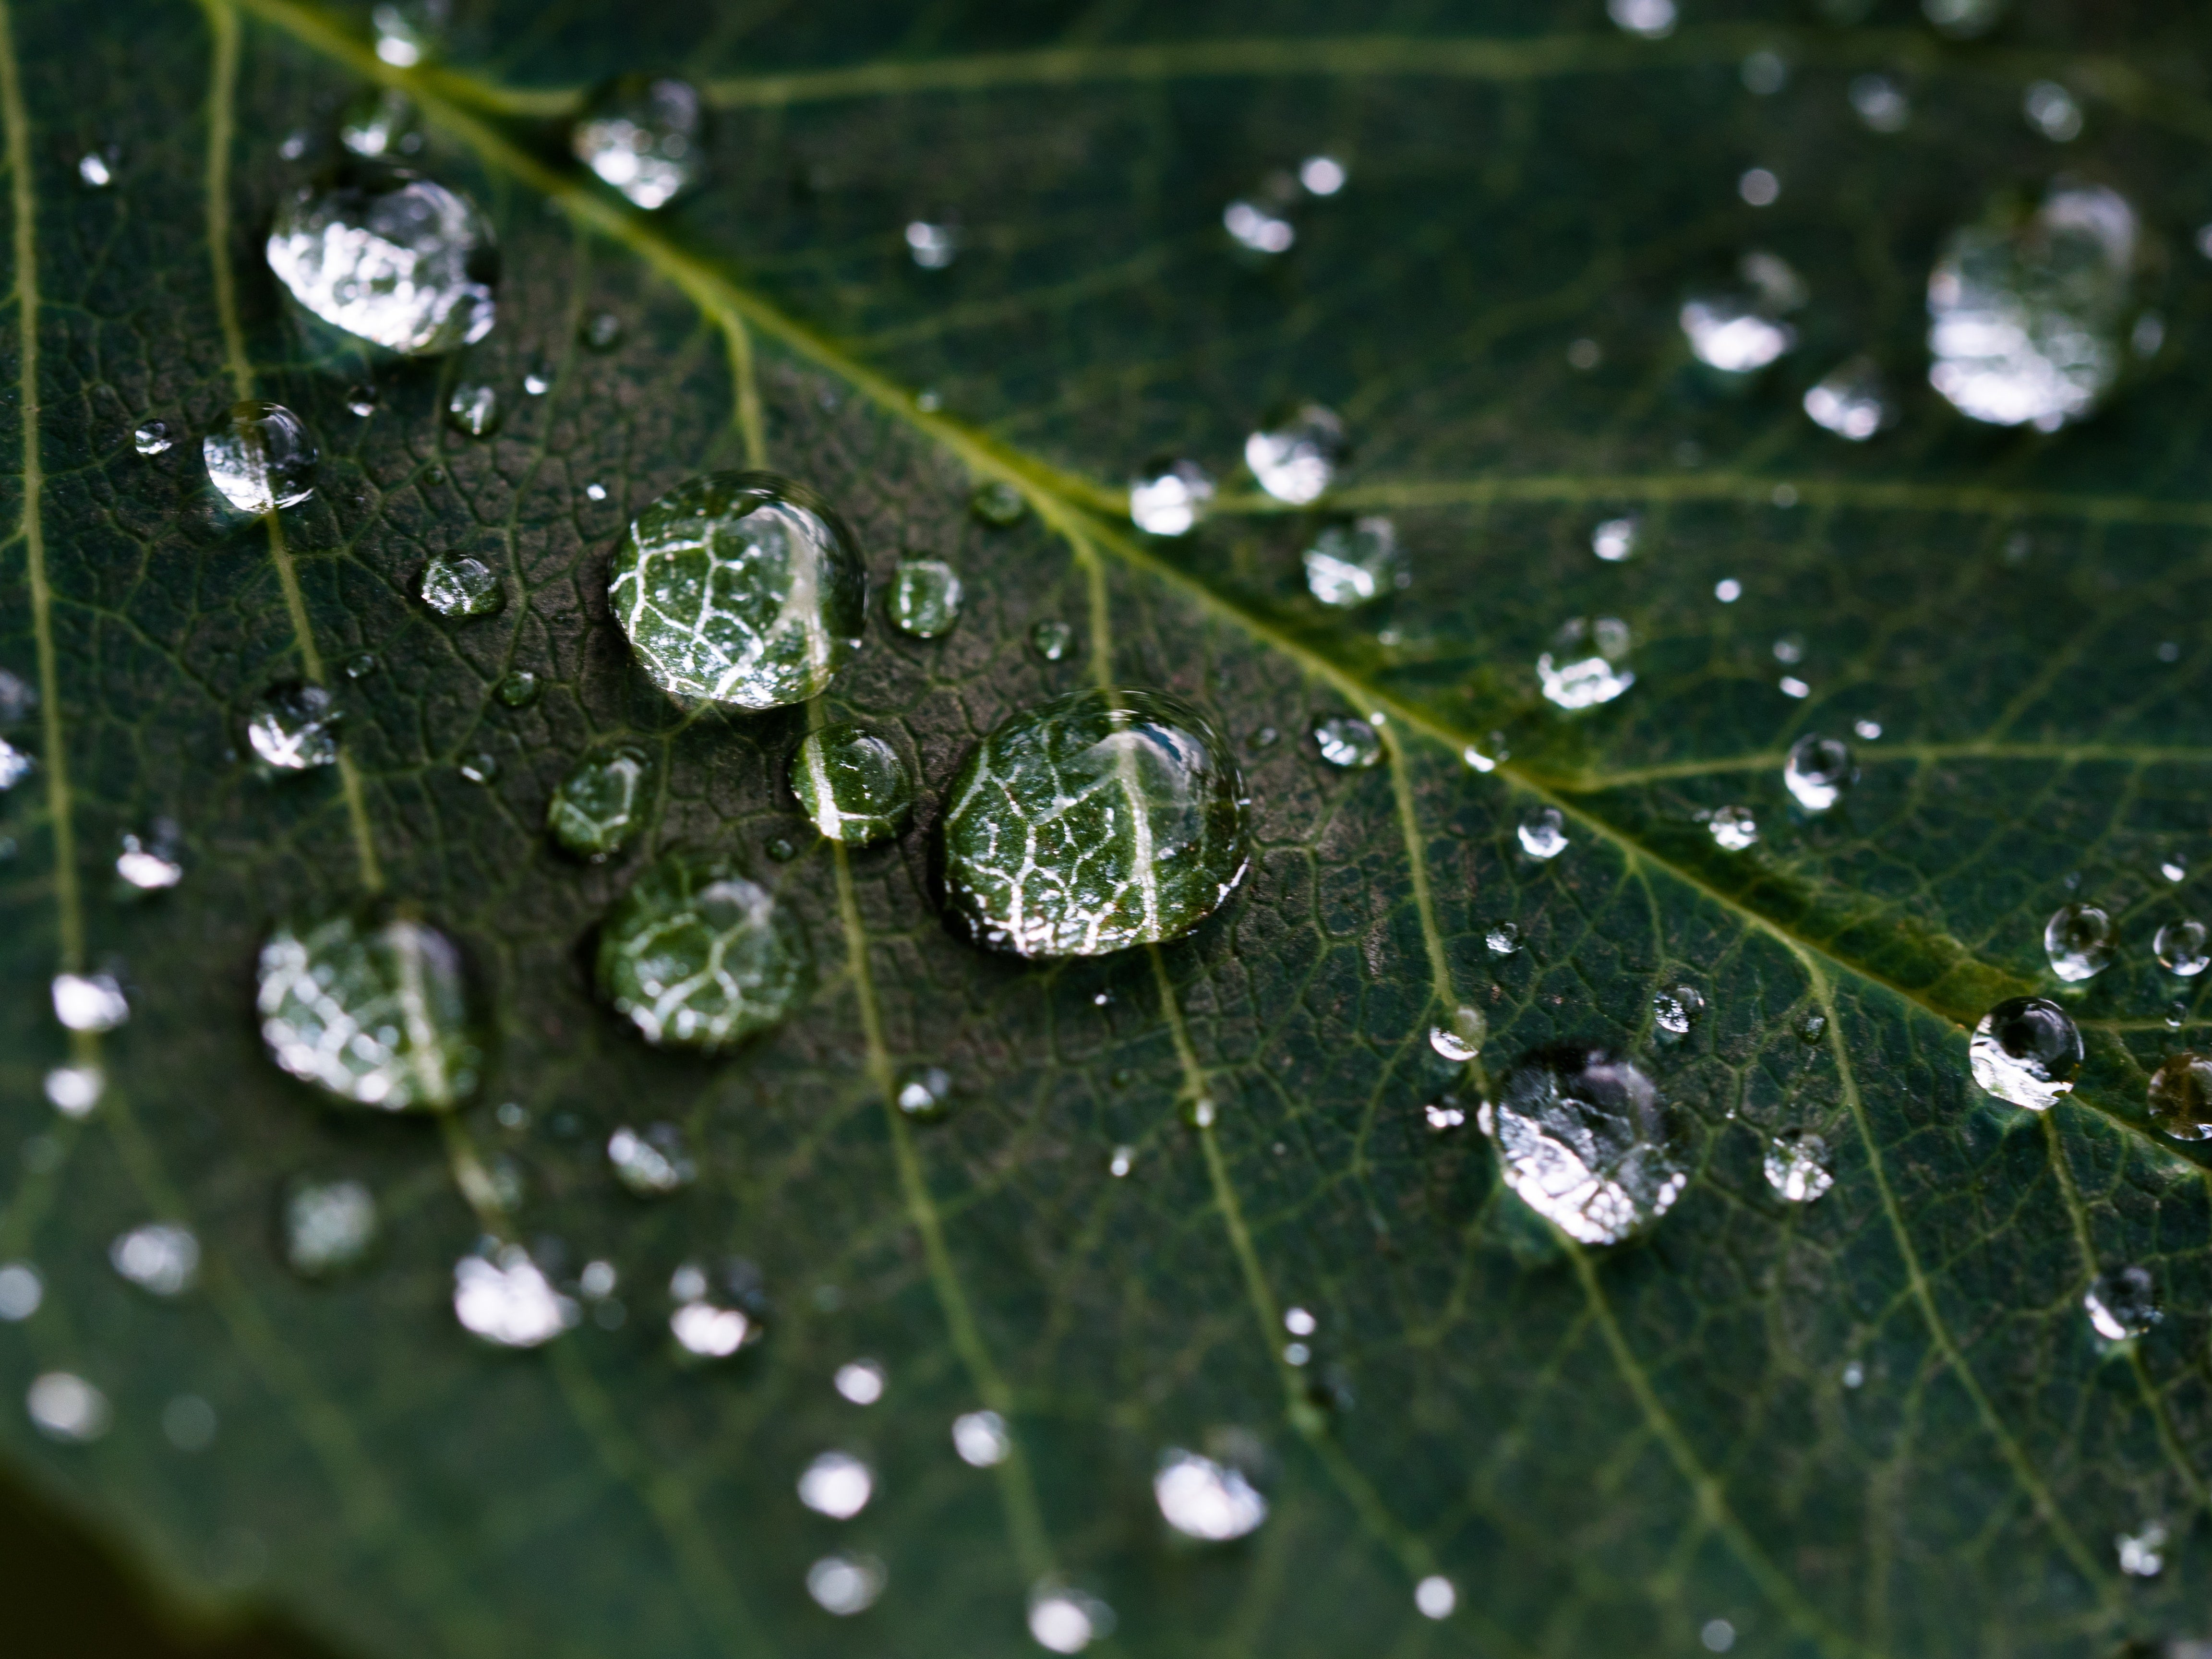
(160, 1258)
(1350, 564)
(1854, 1373)
(1716, 1635)
(1435, 1597)
(1881, 103)
(697, 956)
(1296, 453)
(482, 766)
(1818, 770)
(1585, 1141)
(740, 587)
(653, 1164)
(1095, 821)
(188, 1423)
(1050, 639)
(597, 492)
(1765, 72)
(644, 136)
(65, 1407)
(538, 379)
(925, 596)
(1504, 939)
(1732, 829)
(602, 331)
(1169, 496)
(361, 665)
(15, 765)
(1123, 1160)
(505, 1298)
(1676, 1011)
(1735, 331)
(1254, 227)
(2121, 1304)
(2180, 1096)
(2180, 948)
(701, 1328)
(2051, 111)
(455, 585)
(517, 689)
(860, 1381)
(997, 504)
(2078, 940)
(391, 257)
(1583, 668)
(1852, 401)
(1300, 1323)
(1796, 1167)
(372, 1010)
(1348, 742)
(74, 1090)
(2174, 869)
(778, 848)
(22, 1290)
(846, 1585)
(1063, 1620)
(925, 1092)
(981, 1438)
(1812, 1026)
(261, 457)
(1461, 1040)
(2142, 1557)
(1445, 1115)
(474, 409)
(2026, 1050)
(1615, 539)
(1200, 1499)
(599, 803)
(329, 1227)
(149, 864)
(836, 1484)
(151, 437)
(380, 123)
(93, 170)
(1543, 833)
(853, 784)
(1584, 353)
(409, 31)
(1652, 19)
(2024, 319)
(932, 246)
(89, 1002)
(293, 727)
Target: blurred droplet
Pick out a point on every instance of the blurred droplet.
(1733, 828)
(455, 585)
(925, 1092)
(2051, 111)
(151, 438)
(1349, 564)
(643, 134)
(1201, 1499)
(2121, 1304)
(22, 1290)
(505, 1298)
(1435, 1597)
(1652, 19)
(599, 804)
(1614, 540)
(89, 1002)
(1818, 771)
(1049, 639)
(981, 1438)
(1586, 665)
(1169, 496)
(329, 1227)
(1543, 833)
(651, 1164)
(845, 1584)
(2180, 1096)
(836, 1484)
(161, 1258)
(854, 785)
(371, 1010)
(1296, 454)
(860, 1381)
(65, 1407)
(1852, 401)
(925, 597)
(74, 1090)
(474, 409)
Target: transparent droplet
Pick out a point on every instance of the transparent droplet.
(2142, 1556)
(381, 124)
(1818, 771)
(1169, 496)
(981, 1438)
(2026, 1050)
(1759, 187)
(1502, 939)
(372, 1010)
(926, 595)
(93, 170)
(1852, 400)
(1585, 666)
(409, 31)
(845, 1584)
(1296, 454)
(1252, 227)
(695, 955)
(505, 1298)
(1812, 1026)
(391, 257)
(1460, 1040)
(65, 1407)
(781, 850)
(473, 409)
(148, 864)
(160, 1258)
(1676, 1011)
(1050, 639)
(455, 585)
(1435, 1597)
(2180, 948)
(1734, 333)
(1543, 833)
(1348, 742)
(645, 135)
(1200, 1499)
(2078, 940)
(1096, 821)
(855, 786)
(89, 1002)
(188, 1422)
(1652, 19)
(2051, 111)
(260, 458)
(1322, 175)
(1716, 1635)
(1796, 1167)
(925, 1092)
(653, 1163)
(742, 588)
(2121, 1304)
(151, 437)
(836, 1484)
(1615, 539)
(860, 1381)
(1586, 1142)
(1881, 103)
(482, 766)
(601, 801)
(22, 1290)
(932, 245)
(517, 689)
(329, 1227)
(1732, 829)
(74, 1090)
(293, 727)
(1123, 1160)
(997, 504)
(1765, 72)
(361, 665)
(2025, 318)
(1349, 564)
(2180, 1096)
(602, 331)
(1065, 1619)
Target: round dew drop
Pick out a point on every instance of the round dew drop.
(1543, 833)
(1203, 1500)
(1796, 1167)
(391, 257)
(455, 585)
(518, 688)
(1818, 771)
(1169, 496)
(599, 803)
(2121, 1304)
(1351, 743)
(997, 504)
(2026, 1050)
(1585, 1141)
(372, 1012)
(2078, 941)
(695, 955)
(293, 727)
(926, 595)
(1297, 452)
(644, 136)
(2180, 948)
(741, 588)
(2180, 1096)
(854, 785)
(1583, 668)
(1350, 564)
(151, 438)
(260, 458)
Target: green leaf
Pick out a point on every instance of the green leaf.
(1879, 1423)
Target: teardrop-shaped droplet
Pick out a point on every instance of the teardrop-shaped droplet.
(926, 595)
(1297, 452)
(601, 801)
(391, 257)
(855, 787)
(2026, 1050)
(2180, 1096)
(1797, 1167)
(293, 727)
(455, 585)
(1817, 771)
(740, 587)
(2078, 940)
(1584, 1140)
(1096, 821)
(2180, 948)
(260, 458)
(1349, 564)
(372, 1011)
(1169, 496)
(645, 135)
(695, 955)
(1586, 665)
(1348, 742)
(329, 1227)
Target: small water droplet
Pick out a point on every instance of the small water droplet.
(1652, 19)
(1502, 939)
(93, 170)
(1727, 590)
(538, 379)
(1759, 187)
(2121, 1304)
(1818, 771)
(741, 588)
(482, 766)
(1585, 1141)
(455, 585)
(1765, 72)
(1812, 1026)
(1349, 564)
(1050, 637)
(2051, 111)
(1676, 1011)
(161, 1258)
(188, 1423)
(695, 955)
(1543, 833)
(925, 1092)
(1796, 1166)
(1615, 539)
(74, 1090)
(997, 504)
(517, 689)
(261, 457)
(1854, 1373)
(148, 864)
(1444, 1113)
(2026, 1050)
(1740, 330)
(602, 331)
(89, 1002)
(703, 1329)
(926, 595)
(855, 786)
(1255, 229)
(15, 765)
(389, 256)
(151, 437)
(2180, 1096)
(409, 31)
(860, 1381)
(1852, 400)
(1202, 1500)
(1435, 1597)
(473, 409)
(1296, 454)
(1732, 829)
(1169, 496)
(1322, 175)
(836, 1484)
(1123, 1160)
(1065, 1619)
(981, 1438)
(1716, 1635)
(372, 1011)
(1349, 742)
(781, 850)
(846, 1585)
(329, 1227)
(2180, 948)
(932, 245)
(1881, 103)
(22, 1290)
(1867, 731)
(1585, 665)
(506, 1298)
(2142, 1556)
(65, 1407)
(645, 135)
(380, 123)
(651, 1164)
(1461, 1040)
(597, 492)
(2078, 940)
(1198, 1111)
(361, 665)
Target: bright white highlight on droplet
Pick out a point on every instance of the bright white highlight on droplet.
(89, 1002)
(508, 1300)
(1614, 540)
(65, 1407)
(22, 1290)
(710, 1332)
(1719, 1636)
(861, 1381)
(1298, 1322)
(1652, 19)
(160, 1258)
(1727, 590)
(1322, 175)
(838, 1485)
(1436, 1596)
(74, 1090)
(1200, 1498)
(1759, 187)
(981, 1438)
(1256, 229)
(846, 1585)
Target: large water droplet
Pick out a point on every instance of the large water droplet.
(925, 596)
(455, 585)
(372, 1011)
(65, 1407)
(381, 122)
(740, 587)
(697, 956)
(89, 1002)
(1852, 401)
(1584, 666)
(1349, 564)
(1817, 771)
(836, 1484)
(2024, 319)
(260, 458)
(1295, 455)
(293, 727)
(329, 1227)
(1169, 497)
(2121, 1304)
(1543, 833)
(1796, 1167)
(473, 409)
(2180, 1096)
(391, 257)
(1098, 820)
(600, 802)
(2078, 940)
(506, 1298)
(981, 1438)
(846, 1585)
(161, 1258)
(1584, 1140)
(2180, 948)
(2027, 1051)
(854, 785)
(643, 134)
(1350, 743)
(1200, 1499)
(653, 1164)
